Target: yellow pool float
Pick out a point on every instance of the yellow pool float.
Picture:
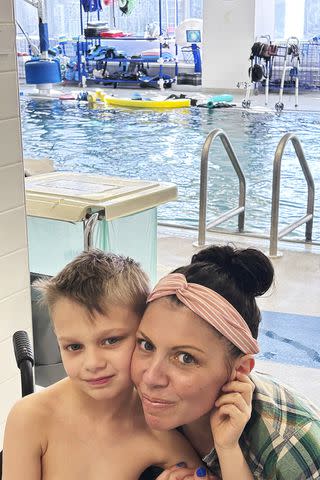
(128, 102)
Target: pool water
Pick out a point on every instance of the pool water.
(165, 145)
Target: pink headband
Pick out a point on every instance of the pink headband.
(210, 306)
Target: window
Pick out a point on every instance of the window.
(64, 16)
(300, 18)
(311, 18)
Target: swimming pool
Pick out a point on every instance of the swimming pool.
(166, 146)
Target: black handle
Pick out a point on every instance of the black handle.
(25, 361)
(22, 347)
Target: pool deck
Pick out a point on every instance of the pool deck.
(297, 271)
(308, 100)
(295, 291)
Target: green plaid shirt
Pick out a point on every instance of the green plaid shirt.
(282, 439)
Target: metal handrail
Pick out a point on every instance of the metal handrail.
(89, 225)
(308, 218)
(218, 132)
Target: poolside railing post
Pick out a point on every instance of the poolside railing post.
(89, 225)
(204, 190)
(310, 207)
(242, 180)
(242, 201)
(310, 184)
(273, 250)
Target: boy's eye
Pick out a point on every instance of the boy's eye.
(74, 347)
(111, 340)
(145, 345)
(185, 358)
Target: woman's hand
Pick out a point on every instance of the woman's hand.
(232, 412)
(183, 473)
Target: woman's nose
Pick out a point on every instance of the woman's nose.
(155, 374)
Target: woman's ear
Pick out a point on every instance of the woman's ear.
(244, 364)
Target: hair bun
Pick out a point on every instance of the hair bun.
(251, 270)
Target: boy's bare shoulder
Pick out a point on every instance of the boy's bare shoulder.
(40, 405)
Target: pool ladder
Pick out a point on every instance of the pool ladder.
(240, 210)
(275, 235)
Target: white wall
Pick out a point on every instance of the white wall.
(15, 310)
(228, 34)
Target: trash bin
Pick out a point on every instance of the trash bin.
(69, 212)
(59, 204)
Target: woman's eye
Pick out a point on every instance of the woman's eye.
(111, 340)
(186, 358)
(74, 347)
(145, 345)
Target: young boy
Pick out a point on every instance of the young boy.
(90, 425)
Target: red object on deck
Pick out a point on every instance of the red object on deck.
(112, 34)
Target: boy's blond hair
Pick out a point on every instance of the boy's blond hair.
(95, 279)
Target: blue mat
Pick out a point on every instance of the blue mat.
(291, 339)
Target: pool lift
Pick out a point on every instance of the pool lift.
(291, 48)
(41, 70)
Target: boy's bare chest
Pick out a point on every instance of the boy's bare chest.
(82, 454)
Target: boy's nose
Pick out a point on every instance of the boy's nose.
(94, 360)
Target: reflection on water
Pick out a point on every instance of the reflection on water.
(166, 146)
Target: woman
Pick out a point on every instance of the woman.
(195, 350)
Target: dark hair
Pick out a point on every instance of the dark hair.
(95, 278)
(239, 275)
